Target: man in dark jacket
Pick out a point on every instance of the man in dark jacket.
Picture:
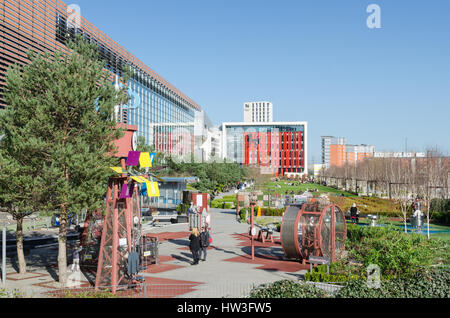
(354, 213)
(204, 242)
(194, 245)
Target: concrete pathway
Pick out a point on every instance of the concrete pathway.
(228, 270)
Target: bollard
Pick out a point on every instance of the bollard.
(4, 256)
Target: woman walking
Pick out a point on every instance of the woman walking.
(194, 245)
(204, 242)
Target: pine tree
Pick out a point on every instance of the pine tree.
(17, 194)
(58, 128)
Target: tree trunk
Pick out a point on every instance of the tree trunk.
(405, 213)
(62, 249)
(406, 228)
(428, 225)
(19, 244)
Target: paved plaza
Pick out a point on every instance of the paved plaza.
(228, 271)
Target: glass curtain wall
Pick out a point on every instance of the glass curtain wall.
(162, 119)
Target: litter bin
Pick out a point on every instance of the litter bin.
(373, 220)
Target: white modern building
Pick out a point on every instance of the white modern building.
(399, 155)
(212, 146)
(207, 138)
(314, 169)
(327, 141)
(258, 112)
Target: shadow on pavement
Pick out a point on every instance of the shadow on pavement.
(183, 259)
(180, 242)
(228, 212)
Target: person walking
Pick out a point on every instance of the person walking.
(206, 219)
(190, 209)
(204, 243)
(194, 245)
(76, 258)
(354, 213)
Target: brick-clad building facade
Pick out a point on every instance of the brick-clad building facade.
(278, 148)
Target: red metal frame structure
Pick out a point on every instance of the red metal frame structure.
(117, 228)
(205, 198)
(117, 224)
(196, 220)
(313, 230)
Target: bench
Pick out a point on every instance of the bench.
(268, 235)
(318, 260)
(164, 217)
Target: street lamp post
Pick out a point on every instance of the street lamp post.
(253, 198)
(4, 256)
(237, 206)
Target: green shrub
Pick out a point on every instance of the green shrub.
(12, 294)
(441, 217)
(182, 208)
(217, 204)
(242, 213)
(90, 294)
(230, 198)
(228, 205)
(424, 284)
(329, 278)
(440, 205)
(287, 289)
(395, 252)
(338, 272)
(271, 211)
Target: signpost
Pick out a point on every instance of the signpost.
(4, 256)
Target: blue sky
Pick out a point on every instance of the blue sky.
(316, 61)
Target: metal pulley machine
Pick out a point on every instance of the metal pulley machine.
(315, 230)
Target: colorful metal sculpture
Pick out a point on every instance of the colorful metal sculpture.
(121, 226)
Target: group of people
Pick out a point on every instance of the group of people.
(199, 243)
(417, 214)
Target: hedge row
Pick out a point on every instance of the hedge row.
(329, 278)
(434, 283)
(287, 289)
(264, 211)
(222, 204)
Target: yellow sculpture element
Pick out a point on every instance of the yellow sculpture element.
(152, 189)
(117, 169)
(144, 160)
(139, 179)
